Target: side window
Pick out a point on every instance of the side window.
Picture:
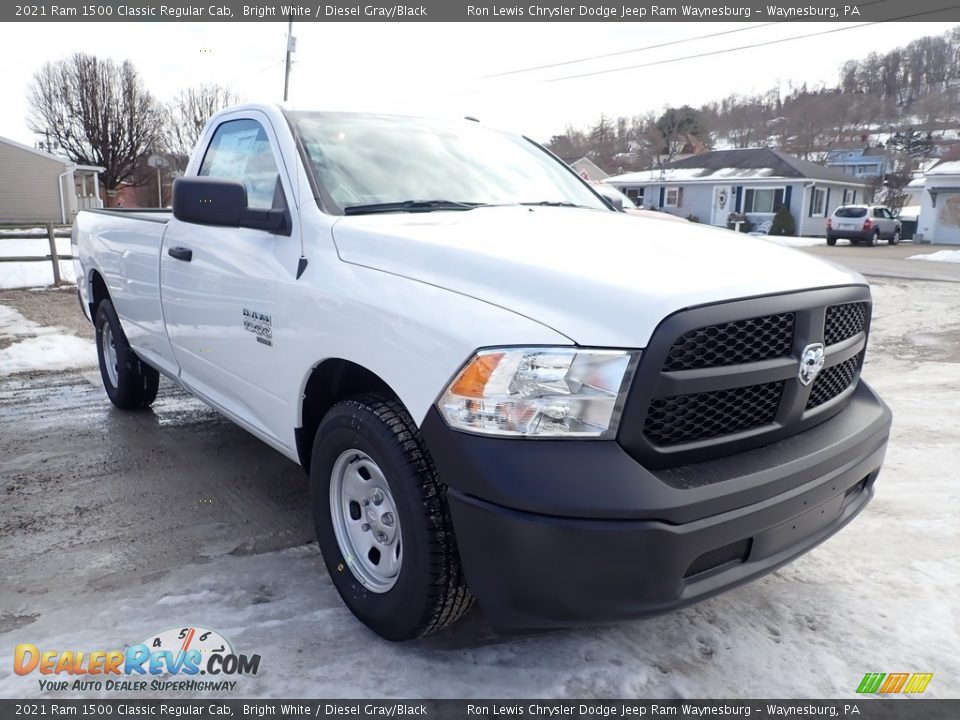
(240, 150)
(877, 213)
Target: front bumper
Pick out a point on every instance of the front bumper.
(556, 533)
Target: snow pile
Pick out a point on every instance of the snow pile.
(939, 256)
(37, 347)
(33, 274)
(15, 325)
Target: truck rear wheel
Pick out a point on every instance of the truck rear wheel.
(382, 521)
(130, 383)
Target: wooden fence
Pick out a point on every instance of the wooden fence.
(54, 257)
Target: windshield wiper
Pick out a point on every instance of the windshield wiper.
(409, 206)
(553, 203)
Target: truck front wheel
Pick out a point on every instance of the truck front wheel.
(382, 521)
(130, 383)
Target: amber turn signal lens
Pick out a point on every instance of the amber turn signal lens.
(474, 377)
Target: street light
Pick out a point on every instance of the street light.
(159, 162)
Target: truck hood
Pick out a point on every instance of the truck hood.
(600, 278)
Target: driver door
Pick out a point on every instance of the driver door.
(219, 286)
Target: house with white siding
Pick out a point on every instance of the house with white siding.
(754, 182)
(939, 220)
(37, 187)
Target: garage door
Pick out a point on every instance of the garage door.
(948, 221)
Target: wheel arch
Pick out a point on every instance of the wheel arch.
(98, 292)
(329, 382)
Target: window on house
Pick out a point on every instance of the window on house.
(635, 194)
(818, 202)
(673, 197)
(766, 200)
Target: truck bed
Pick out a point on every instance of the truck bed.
(157, 215)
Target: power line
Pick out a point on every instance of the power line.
(746, 47)
(644, 48)
(630, 51)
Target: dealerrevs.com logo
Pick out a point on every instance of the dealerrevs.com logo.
(192, 659)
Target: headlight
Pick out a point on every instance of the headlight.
(540, 392)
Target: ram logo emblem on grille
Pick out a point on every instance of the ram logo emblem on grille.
(811, 362)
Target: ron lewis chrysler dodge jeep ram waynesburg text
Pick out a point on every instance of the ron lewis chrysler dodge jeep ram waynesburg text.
(500, 386)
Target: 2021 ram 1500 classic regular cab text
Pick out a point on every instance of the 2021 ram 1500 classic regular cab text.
(494, 380)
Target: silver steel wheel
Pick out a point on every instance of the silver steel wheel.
(110, 355)
(365, 521)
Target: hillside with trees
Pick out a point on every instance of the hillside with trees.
(906, 99)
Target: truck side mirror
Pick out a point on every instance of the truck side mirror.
(209, 201)
(611, 197)
(223, 202)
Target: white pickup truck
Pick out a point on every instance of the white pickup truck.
(500, 387)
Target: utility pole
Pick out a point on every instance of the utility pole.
(291, 48)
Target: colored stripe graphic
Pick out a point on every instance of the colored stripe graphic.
(884, 684)
(894, 683)
(871, 682)
(918, 683)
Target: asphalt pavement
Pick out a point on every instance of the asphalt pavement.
(890, 261)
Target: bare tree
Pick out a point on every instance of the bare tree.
(97, 112)
(188, 114)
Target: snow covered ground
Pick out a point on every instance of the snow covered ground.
(33, 347)
(33, 274)
(952, 256)
(881, 596)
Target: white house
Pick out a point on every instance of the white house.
(940, 205)
(754, 182)
(39, 187)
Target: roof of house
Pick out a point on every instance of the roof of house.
(40, 153)
(66, 162)
(592, 169)
(739, 164)
(947, 167)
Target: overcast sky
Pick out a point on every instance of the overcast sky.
(437, 69)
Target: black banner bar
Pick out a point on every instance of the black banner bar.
(866, 709)
(479, 11)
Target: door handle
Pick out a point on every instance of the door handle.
(181, 253)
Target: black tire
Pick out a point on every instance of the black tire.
(895, 238)
(429, 592)
(875, 238)
(831, 241)
(136, 382)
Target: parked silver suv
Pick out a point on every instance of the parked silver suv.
(863, 224)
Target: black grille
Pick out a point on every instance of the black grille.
(734, 552)
(712, 383)
(844, 321)
(833, 380)
(686, 418)
(740, 341)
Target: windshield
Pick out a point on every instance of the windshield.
(851, 212)
(365, 160)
